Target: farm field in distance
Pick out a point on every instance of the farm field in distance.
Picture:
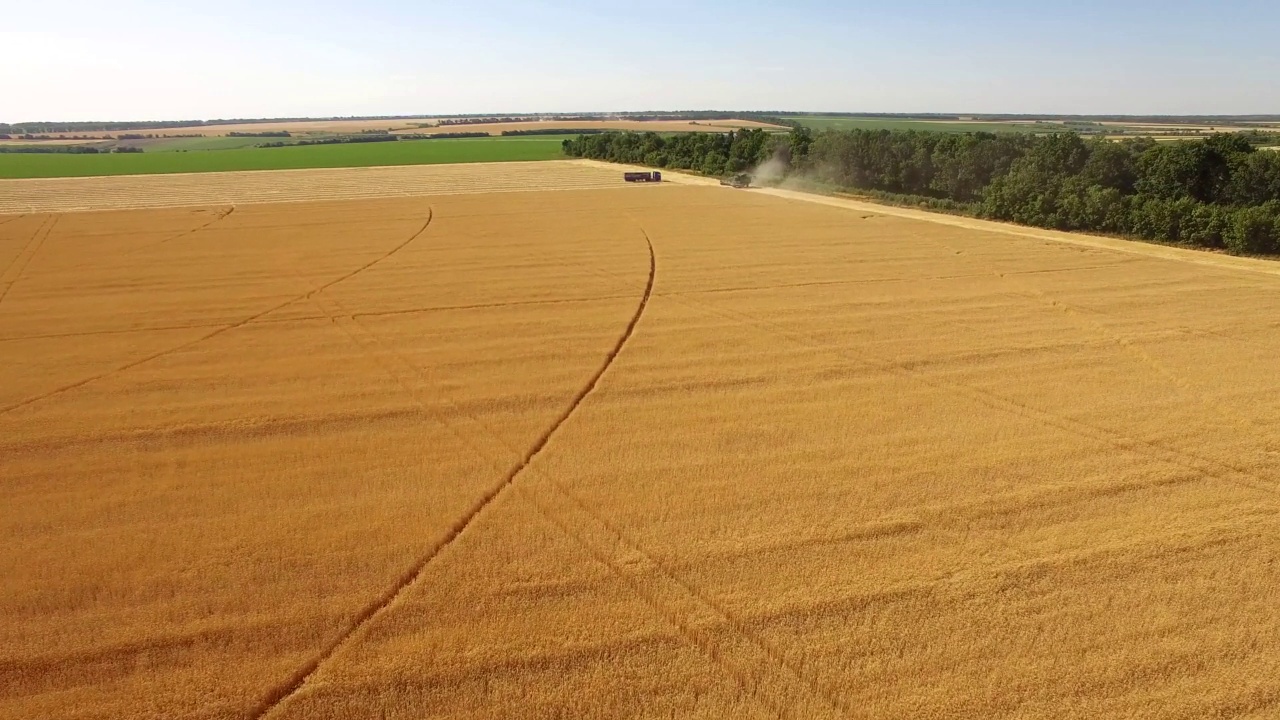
(822, 122)
(517, 440)
(1113, 129)
(404, 152)
(248, 134)
(429, 125)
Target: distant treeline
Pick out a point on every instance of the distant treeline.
(693, 116)
(553, 131)
(371, 138)
(99, 126)
(147, 136)
(95, 126)
(49, 150)
(269, 133)
(442, 136)
(29, 136)
(343, 140)
(770, 116)
(486, 120)
(708, 153)
(1154, 119)
(64, 150)
(703, 115)
(1220, 192)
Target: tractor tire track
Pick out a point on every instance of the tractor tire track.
(216, 332)
(1206, 466)
(1184, 385)
(367, 344)
(487, 306)
(13, 219)
(307, 318)
(146, 329)
(1083, 322)
(185, 233)
(869, 281)
(317, 290)
(370, 614)
(757, 667)
(219, 218)
(9, 266)
(20, 262)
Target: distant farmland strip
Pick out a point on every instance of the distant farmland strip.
(821, 122)
(286, 158)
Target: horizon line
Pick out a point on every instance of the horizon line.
(623, 113)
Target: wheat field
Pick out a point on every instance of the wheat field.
(604, 451)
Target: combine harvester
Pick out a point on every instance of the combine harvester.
(741, 180)
(653, 176)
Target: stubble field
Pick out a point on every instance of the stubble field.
(605, 451)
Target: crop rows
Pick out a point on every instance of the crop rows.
(624, 452)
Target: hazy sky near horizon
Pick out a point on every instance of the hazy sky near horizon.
(150, 59)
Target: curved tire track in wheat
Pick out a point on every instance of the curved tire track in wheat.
(217, 331)
(217, 219)
(407, 580)
(745, 657)
(1208, 466)
(33, 245)
(26, 246)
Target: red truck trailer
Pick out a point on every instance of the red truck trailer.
(654, 176)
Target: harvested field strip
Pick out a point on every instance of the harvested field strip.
(244, 188)
(764, 458)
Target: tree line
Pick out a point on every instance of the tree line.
(553, 131)
(1220, 192)
(707, 153)
(341, 140)
(65, 150)
(372, 138)
(23, 128)
(92, 126)
(1209, 120)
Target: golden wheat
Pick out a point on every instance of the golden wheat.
(631, 452)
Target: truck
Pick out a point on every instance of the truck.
(653, 176)
(741, 180)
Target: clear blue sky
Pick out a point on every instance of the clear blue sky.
(148, 59)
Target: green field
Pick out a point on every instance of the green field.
(405, 152)
(822, 122)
